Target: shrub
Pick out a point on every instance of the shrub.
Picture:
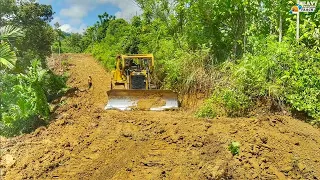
(208, 110)
(225, 102)
(24, 99)
(282, 71)
(234, 148)
(188, 71)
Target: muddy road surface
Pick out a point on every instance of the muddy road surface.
(85, 142)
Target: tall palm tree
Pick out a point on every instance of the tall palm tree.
(8, 57)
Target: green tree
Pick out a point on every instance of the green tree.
(33, 18)
(251, 44)
(58, 35)
(7, 55)
(25, 85)
(6, 11)
(72, 43)
(102, 25)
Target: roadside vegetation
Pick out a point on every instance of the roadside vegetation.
(240, 52)
(26, 84)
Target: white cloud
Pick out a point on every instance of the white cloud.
(128, 8)
(68, 28)
(76, 10)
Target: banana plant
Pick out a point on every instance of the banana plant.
(8, 56)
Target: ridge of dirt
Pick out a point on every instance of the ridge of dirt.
(86, 142)
(150, 102)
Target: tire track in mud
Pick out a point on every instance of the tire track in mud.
(85, 142)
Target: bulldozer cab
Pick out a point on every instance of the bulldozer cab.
(138, 62)
(133, 72)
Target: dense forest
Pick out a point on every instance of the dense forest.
(240, 52)
(26, 84)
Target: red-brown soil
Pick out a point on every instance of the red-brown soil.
(85, 142)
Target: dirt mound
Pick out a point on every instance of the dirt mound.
(85, 142)
(146, 103)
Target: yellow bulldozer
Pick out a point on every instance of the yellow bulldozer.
(132, 86)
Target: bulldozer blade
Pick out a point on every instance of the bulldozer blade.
(153, 100)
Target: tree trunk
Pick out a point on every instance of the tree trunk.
(280, 29)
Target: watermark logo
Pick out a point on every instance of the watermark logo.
(295, 9)
(304, 6)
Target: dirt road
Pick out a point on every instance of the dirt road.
(86, 142)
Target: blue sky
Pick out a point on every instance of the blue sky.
(77, 15)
